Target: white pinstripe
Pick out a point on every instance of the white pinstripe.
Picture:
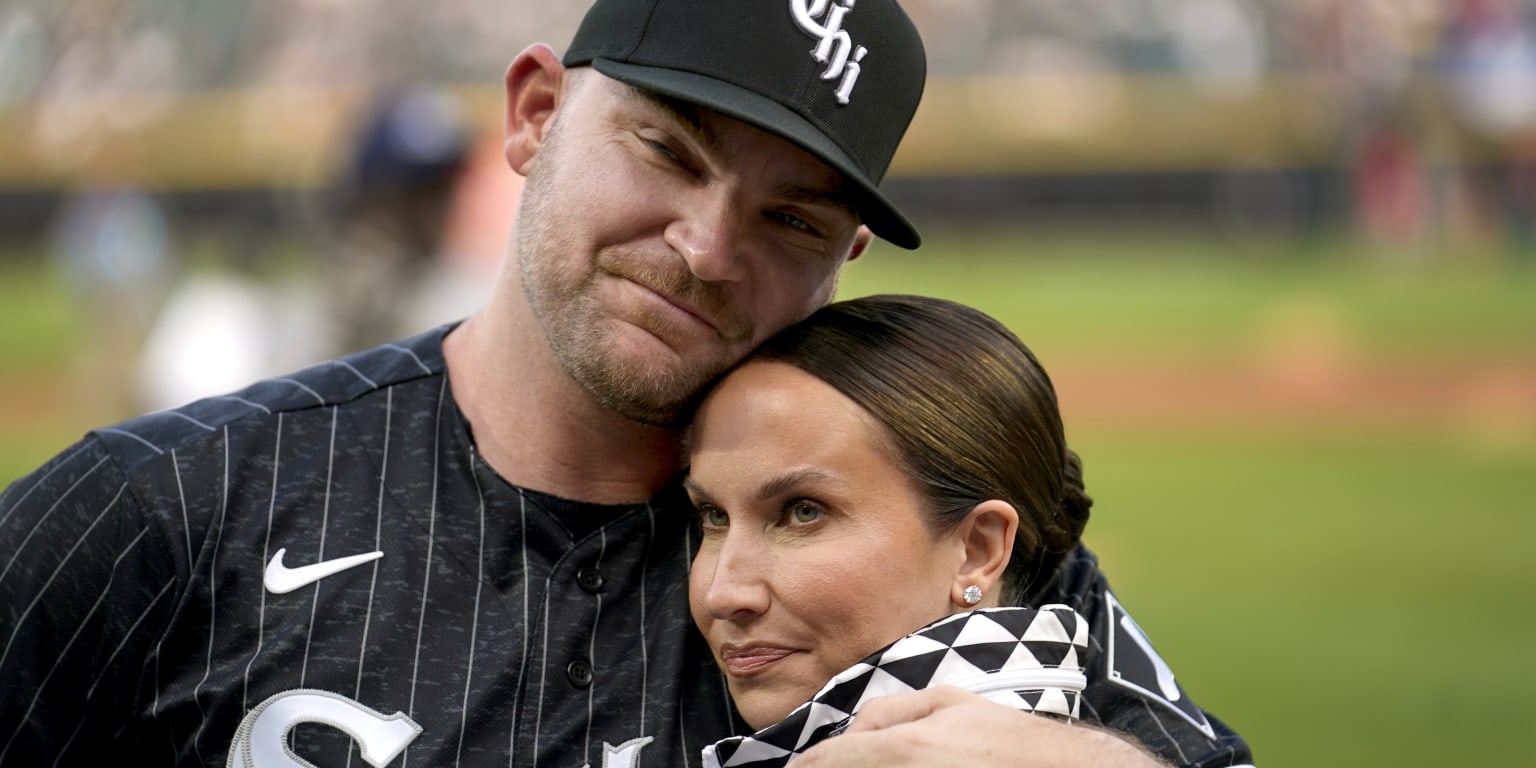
(682, 722)
(350, 367)
(474, 625)
(378, 539)
(57, 662)
(154, 707)
(1171, 740)
(412, 355)
(645, 568)
(63, 462)
(597, 614)
(179, 414)
(115, 431)
(67, 555)
(538, 718)
(67, 742)
(325, 520)
(301, 385)
(266, 545)
(244, 401)
(89, 692)
(181, 495)
(522, 670)
(44, 517)
(426, 579)
(213, 598)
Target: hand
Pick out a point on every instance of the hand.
(948, 726)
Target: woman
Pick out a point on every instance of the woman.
(888, 463)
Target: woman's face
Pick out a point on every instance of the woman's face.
(816, 551)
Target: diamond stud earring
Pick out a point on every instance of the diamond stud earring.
(972, 595)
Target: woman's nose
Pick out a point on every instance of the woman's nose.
(738, 591)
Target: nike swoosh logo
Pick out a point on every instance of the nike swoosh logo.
(281, 579)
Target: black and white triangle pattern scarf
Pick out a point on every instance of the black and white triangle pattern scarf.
(1026, 658)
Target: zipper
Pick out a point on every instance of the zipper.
(1023, 679)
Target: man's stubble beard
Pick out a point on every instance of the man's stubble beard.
(577, 331)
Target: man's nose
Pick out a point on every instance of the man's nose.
(708, 235)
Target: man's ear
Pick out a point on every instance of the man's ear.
(987, 534)
(535, 82)
(861, 240)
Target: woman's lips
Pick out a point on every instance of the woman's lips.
(744, 660)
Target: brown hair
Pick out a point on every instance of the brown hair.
(968, 408)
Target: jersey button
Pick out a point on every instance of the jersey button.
(590, 580)
(580, 673)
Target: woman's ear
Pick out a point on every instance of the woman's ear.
(987, 534)
(535, 83)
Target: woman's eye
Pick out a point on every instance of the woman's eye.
(804, 513)
(715, 517)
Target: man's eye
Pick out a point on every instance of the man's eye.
(793, 221)
(715, 517)
(804, 513)
(663, 150)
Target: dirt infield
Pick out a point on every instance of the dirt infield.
(1495, 397)
(1492, 398)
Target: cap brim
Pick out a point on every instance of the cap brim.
(875, 210)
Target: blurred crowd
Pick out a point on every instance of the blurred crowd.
(1402, 85)
(50, 48)
(1431, 108)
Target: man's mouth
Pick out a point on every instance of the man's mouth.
(681, 296)
(678, 306)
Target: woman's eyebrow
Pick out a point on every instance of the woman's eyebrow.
(695, 490)
(790, 481)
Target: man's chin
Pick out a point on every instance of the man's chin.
(652, 401)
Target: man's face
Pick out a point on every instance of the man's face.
(658, 243)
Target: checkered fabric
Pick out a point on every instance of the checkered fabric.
(1025, 658)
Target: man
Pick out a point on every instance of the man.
(469, 548)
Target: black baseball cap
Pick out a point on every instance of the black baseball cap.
(839, 78)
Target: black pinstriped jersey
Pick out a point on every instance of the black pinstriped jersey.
(321, 566)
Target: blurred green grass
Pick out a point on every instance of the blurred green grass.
(1138, 297)
(1342, 593)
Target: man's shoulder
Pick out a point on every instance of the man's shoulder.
(1131, 688)
(335, 383)
(1078, 582)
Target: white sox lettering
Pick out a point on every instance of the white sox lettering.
(280, 579)
(835, 48)
(626, 755)
(262, 739)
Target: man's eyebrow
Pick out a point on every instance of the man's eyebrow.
(687, 114)
(683, 112)
(837, 197)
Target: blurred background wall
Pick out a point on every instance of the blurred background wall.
(1279, 256)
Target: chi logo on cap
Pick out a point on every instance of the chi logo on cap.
(823, 20)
